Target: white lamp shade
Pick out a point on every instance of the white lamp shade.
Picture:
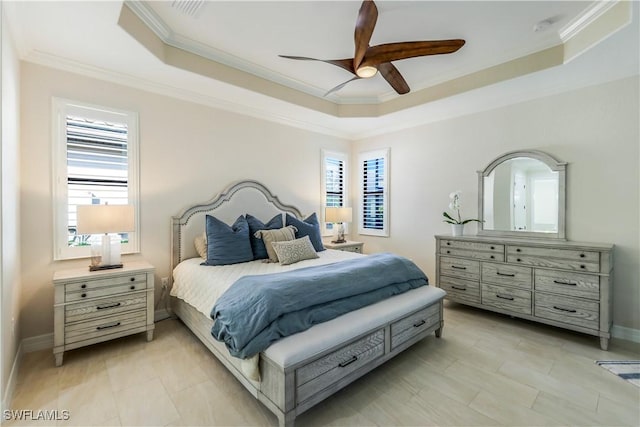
(338, 215)
(99, 219)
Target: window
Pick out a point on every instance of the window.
(374, 193)
(334, 184)
(95, 162)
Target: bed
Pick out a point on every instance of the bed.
(299, 371)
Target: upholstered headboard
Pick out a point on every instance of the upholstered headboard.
(237, 199)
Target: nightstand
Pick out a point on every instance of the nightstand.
(348, 246)
(91, 307)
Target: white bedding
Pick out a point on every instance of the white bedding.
(202, 285)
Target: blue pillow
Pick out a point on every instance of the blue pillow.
(227, 244)
(257, 245)
(308, 227)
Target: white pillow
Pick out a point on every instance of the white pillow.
(200, 243)
(292, 251)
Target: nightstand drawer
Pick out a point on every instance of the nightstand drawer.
(104, 307)
(104, 326)
(107, 282)
(103, 292)
(356, 249)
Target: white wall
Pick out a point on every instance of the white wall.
(188, 153)
(9, 209)
(595, 130)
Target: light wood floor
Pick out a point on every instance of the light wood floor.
(487, 369)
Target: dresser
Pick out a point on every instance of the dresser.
(91, 307)
(348, 246)
(560, 283)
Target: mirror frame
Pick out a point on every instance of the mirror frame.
(554, 165)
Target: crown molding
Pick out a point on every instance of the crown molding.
(586, 18)
(144, 84)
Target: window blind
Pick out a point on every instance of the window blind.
(334, 182)
(97, 167)
(373, 193)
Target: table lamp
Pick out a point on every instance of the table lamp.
(105, 219)
(338, 216)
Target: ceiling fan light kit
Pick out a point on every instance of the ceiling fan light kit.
(368, 60)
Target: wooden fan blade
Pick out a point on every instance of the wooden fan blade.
(366, 22)
(340, 86)
(346, 64)
(393, 77)
(403, 50)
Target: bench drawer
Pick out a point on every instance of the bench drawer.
(323, 372)
(414, 324)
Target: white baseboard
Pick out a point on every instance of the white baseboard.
(13, 380)
(37, 343)
(161, 314)
(625, 333)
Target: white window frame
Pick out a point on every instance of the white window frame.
(61, 109)
(344, 157)
(365, 156)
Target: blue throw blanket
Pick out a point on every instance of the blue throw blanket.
(258, 310)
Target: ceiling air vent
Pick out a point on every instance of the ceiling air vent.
(189, 7)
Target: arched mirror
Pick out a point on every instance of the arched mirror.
(522, 194)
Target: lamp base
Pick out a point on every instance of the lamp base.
(104, 267)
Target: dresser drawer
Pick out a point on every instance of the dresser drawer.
(573, 311)
(104, 307)
(84, 285)
(475, 250)
(570, 284)
(555, 258)
(510, 275)
(405, 329)
(505, 298)
(104, 326)
(460, 289)
(322, 373)
(463, 268)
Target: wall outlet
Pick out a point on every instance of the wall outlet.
(164, 281)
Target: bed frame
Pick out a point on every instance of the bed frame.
(288, 391)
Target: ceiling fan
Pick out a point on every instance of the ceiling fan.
(368, 60)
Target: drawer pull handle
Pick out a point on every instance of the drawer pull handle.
(507, 298)
(420, 323)
(583, 266)
(113, 325)
(582, 255)
(133, 279)
(568, 310)
(448, 243)
(104, 307)
(348, 362)
(448, 252)
(518, 250)
(492, 257)
(505, 274)
(518, 260)
(459, 268)
(560, 282)
(84, 286)
(133, 287)
(459, 289)
(493, 247)
(83, 295)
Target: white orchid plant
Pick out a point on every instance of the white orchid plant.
(454, 205)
